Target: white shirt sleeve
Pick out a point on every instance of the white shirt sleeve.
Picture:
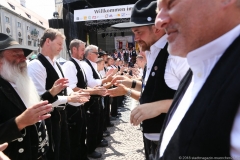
(176, 68)
(70, 72)
(38, 74)
(91, 82)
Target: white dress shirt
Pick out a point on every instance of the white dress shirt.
(92, 82)
(176, 69)
(38, 74)
(70, 72)
(201, 62)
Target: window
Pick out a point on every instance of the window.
(28, 15)
(29, 43)
(20, 40)
(7, 19)
(19, 24)
(19, 34)
(29, 37)
(12, 6)
(8, 30)
(28, 28)
(35, 43)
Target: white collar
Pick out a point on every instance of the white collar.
(214, 48)
(93, 64)
(78, 61)
(157, 46)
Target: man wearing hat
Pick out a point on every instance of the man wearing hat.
(22, 114)
(161, 76)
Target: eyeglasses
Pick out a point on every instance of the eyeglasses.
(95, 53)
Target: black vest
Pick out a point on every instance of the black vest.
(95, 75)
(82, 81)
(52, 75)
(205, 129)
(156, 89)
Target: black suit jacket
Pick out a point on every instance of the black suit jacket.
(205, 130)
(23, 145)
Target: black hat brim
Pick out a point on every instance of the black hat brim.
(26, 50)
(130, 25)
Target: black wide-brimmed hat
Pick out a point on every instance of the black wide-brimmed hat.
(143, 14)
(7, 42)
(102, 53)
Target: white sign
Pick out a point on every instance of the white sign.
(113, 12)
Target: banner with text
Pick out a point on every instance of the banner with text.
(113, 12)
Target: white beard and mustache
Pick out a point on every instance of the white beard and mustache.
(17, 74)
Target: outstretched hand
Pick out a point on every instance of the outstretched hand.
(33, 114)
(58, 86)
(2, 148)
(120, 90)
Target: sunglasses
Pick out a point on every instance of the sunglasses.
(95, 53)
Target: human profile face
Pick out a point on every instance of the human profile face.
(189, 24)
(100, 65)
(144, 36)
(104, 57)
(94, 55)
(15, 57)
(80, 51)
(55, 45)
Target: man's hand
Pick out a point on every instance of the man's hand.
(33, 114)
(120, 90)
(149, 110)
(58, 86)
(100, 91)
(79, 97)
(2, 148)
(122, 79)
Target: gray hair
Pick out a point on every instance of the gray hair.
(75, 43)
(89, 49)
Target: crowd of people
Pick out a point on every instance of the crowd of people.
(185, 77)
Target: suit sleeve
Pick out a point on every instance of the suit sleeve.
(47, 96)
(9, 131)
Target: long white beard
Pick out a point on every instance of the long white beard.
(17, 74)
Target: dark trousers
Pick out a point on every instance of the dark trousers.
(150, 148)
(76, 118)
(120, 100)
(114, 106)
(59, 145)
(106, 111)
(93, 123)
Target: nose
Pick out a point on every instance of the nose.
(162, 19)
(136, 38)
(21, 58)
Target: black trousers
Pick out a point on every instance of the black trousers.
(106, 111)
(76, 119)
(114, 106)
(150, 148)
(59, 145)
(93, 114)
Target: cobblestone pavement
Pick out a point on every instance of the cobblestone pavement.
(125, 141)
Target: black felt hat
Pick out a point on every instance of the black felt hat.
(143, 14)
(102, 53)
(7, 42)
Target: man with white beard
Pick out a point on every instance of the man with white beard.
(22, 114)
